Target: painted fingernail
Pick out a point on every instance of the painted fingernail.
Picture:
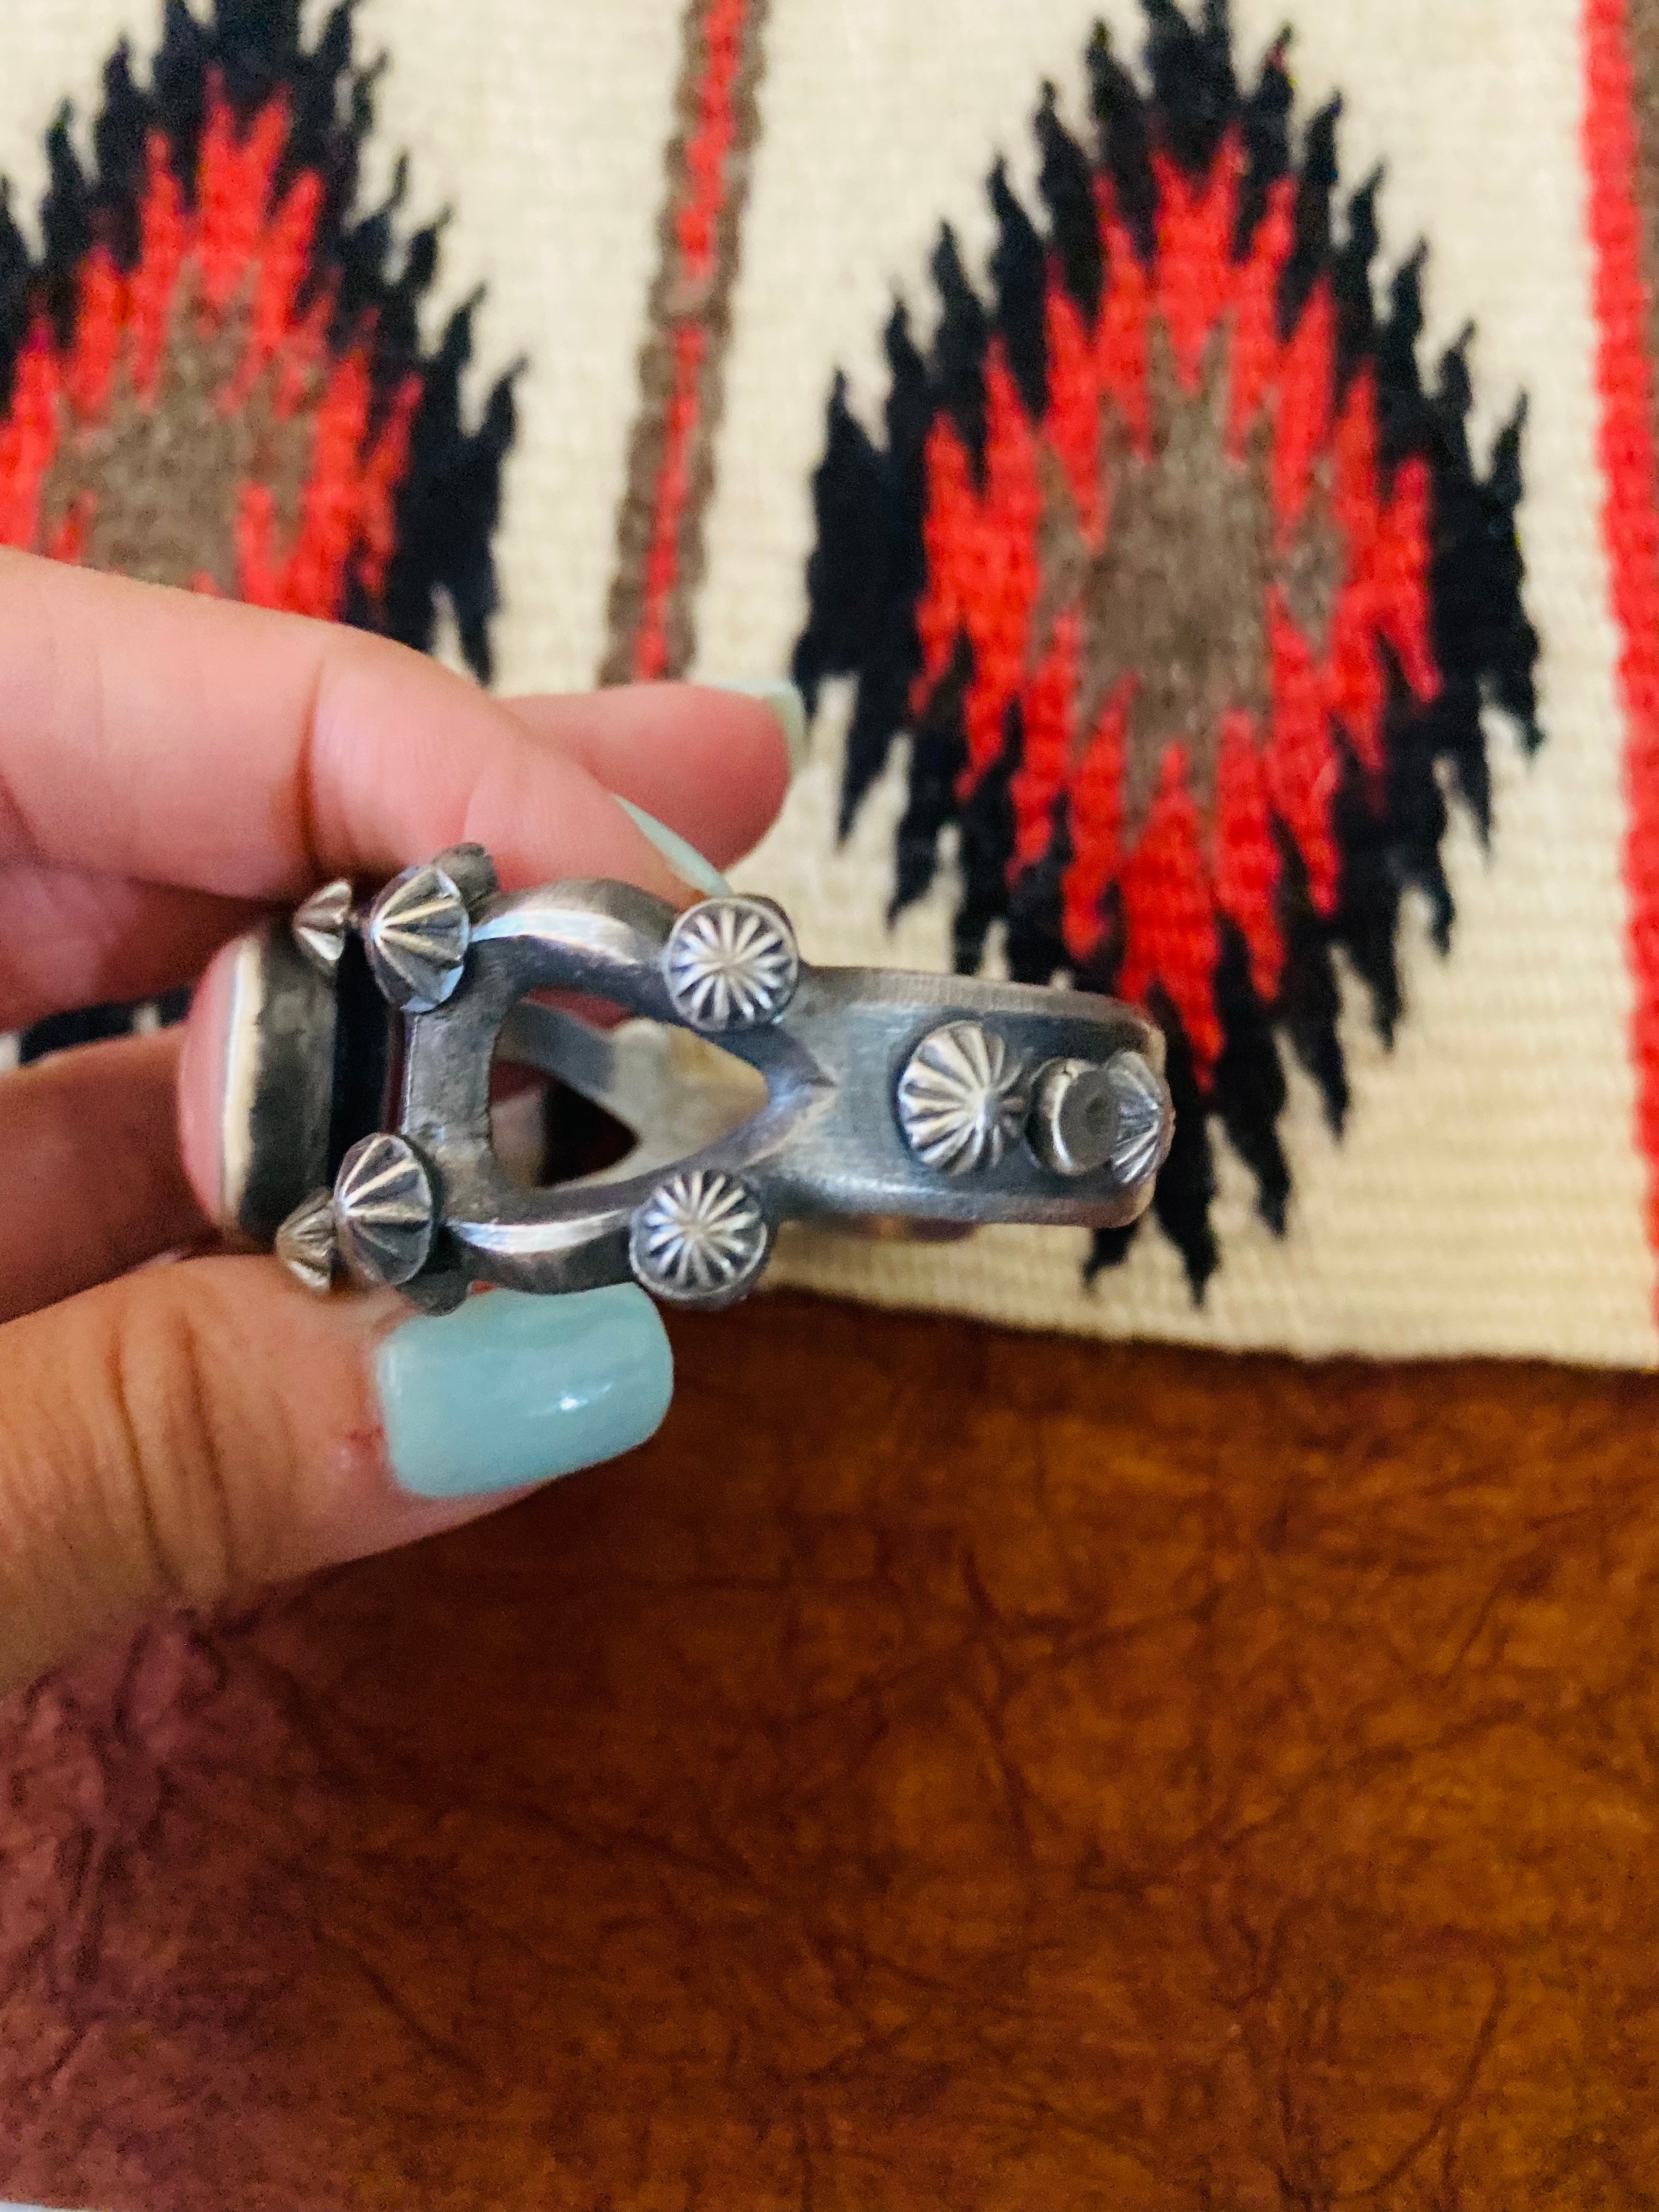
(686, 860)
(786, 703)
(512, 1390)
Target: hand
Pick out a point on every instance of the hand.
(169, 766)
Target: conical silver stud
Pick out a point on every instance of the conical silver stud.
(319, 926)
(306, 1242)
(1144, 1122)
(416, 937)
(385, 1211)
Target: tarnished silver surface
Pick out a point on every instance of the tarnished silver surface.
(471, 871)
(758, 1089)
(276, 1084)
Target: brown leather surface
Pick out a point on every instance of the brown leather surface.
(947, 1769)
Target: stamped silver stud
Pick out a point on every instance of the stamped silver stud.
(963, 1098)
(416, 937)
(1144, 1122)
(731, 964)
(385, 1211)
(306, 1244)
(700, 1239)
(320, 925)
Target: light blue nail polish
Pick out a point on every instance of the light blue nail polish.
(512, 1390)
(786, 703)
(686, 860)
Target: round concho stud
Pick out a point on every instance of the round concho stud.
(731, 964)
(700, 1239)
(963, 1098)
(416, 936)
(1074, 1116)
(385, 1211)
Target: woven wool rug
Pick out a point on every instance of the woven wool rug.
(1201, 476)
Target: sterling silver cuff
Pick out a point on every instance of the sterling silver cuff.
(357, 1133)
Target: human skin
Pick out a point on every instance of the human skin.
(170, 767)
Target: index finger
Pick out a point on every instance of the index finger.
(156, 735)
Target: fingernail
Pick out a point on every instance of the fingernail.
(786, 703)
(686, 860)
(512, 1390)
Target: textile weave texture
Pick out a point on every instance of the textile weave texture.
(1202, 475)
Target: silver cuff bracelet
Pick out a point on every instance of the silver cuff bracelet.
(357, 1132)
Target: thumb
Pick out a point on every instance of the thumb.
(194, 1431)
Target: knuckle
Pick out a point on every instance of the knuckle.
(183, 1446)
